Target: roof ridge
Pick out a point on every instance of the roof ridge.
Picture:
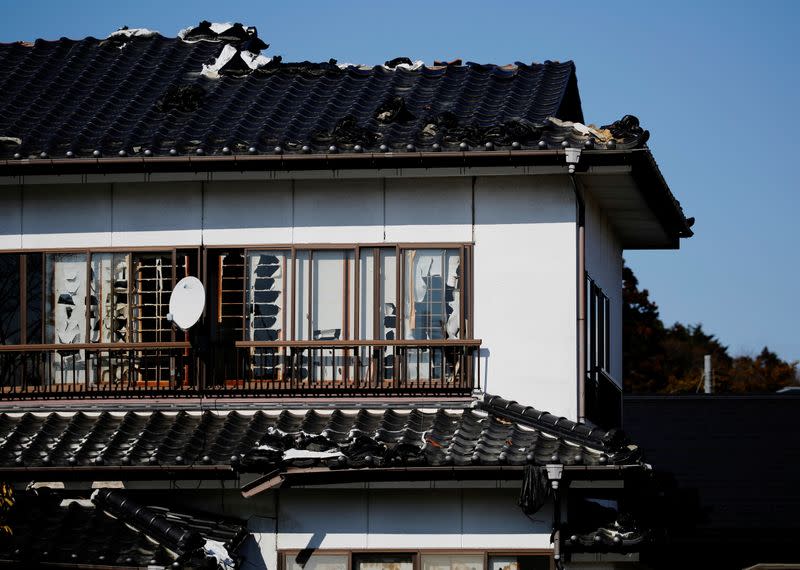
(609, 440)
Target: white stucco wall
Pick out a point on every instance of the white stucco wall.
(604, 265)
(447, 515)
(523, 228)
(525, 293)
(408, 519)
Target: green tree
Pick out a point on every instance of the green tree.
(669, 360)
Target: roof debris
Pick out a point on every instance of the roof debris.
(121, 37)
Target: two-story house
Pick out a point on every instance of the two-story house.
(378, 247)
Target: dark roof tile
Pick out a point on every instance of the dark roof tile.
(497, 431)
(149, 93)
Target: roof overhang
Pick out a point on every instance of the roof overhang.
(314, 476)
(627, 184)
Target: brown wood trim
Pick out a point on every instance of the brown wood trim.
(294, 292)
(339, 343)
(310, 305)
(107, 346)
(104, 249)
(87, 302)
(462, 268)
(312, 245)
(356, 291)
(23, 298)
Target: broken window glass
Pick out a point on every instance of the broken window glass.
(432, 294)
(66, 314)
(66, 298)
(151, 285)
(266, 295)
(108, 302)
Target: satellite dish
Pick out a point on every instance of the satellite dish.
(187, 302)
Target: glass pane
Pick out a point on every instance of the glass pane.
(9, 299)
(302, 288)
(151, 286)
(65, 310)
(108, 318)
(34, 297)
(327, 305)
(533, 562)
(366, 290)
(388, 288)
(266, 295)
(66, 298)
(432, 294)
(316, 562)
(452, 562)
(382, 562)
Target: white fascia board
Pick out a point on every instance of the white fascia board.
(284, 175)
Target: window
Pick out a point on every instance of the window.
(351, 293)
(598, 329)
(452, 561)
(470, 560)
(90, 297)
(520, 562)
(373, 561)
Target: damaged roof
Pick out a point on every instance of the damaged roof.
(114, 529)
(488, 432)
(142, 94)
(209, 100)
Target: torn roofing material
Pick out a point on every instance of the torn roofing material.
(209, 100)
(492, 432)
(114, 529)
(89, 95)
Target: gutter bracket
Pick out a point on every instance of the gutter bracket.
(573, 156)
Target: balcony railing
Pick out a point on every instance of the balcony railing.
(285, 368)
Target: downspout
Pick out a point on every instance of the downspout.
(573, 156)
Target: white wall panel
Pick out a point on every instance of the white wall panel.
(604, 265)
(154, 214)
(429, 210)
(407, 519)
(525, 293)
(247, 213)
(345, 211)
(10, 217)
(70, 215)
(322, 518)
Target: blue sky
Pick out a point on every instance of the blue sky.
(716, 83)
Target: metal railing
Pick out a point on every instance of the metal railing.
(285, 368)
(96, 369)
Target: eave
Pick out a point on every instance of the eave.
(655, 203)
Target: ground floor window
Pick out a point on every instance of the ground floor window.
(420, 560)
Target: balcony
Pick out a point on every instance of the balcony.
(248, 368)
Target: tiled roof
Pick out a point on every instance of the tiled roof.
(114, 529)
(147, 95)
(489, 432)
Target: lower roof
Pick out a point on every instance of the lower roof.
(196, 443)
(113, 529)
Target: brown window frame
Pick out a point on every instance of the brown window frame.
(466, 301)
(88, 252)
(416, 554)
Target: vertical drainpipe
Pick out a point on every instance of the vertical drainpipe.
(573, 156)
